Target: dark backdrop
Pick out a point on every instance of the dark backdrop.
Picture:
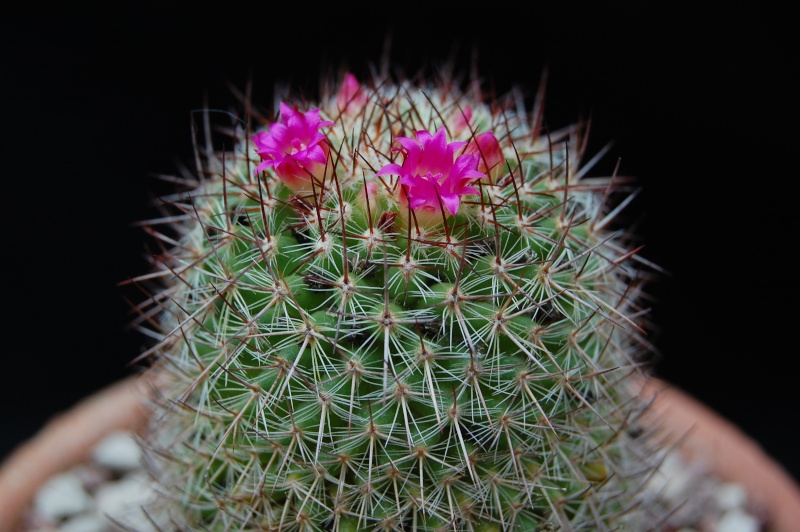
(701, 109)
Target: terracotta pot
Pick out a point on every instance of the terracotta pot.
(699, 433)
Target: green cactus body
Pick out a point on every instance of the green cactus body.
(330, 358)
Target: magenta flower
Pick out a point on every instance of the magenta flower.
(294, 148)
(432, 173)
(487, 148)
(351, 96)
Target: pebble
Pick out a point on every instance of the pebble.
(102, 495)
(737, 520)
(122, 500)
(118, 452)
(711, 505)
(62, 497)
(730, 496)
(90, 522)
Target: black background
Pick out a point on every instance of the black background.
(701, 109)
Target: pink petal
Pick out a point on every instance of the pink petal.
(487, 148)
(351, 95)
(451, 203)
(390, 168)
(462, 119)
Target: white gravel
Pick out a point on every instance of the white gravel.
(103, 495)
(118, 452)
(62, 497)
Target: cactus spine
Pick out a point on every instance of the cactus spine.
(401, 308)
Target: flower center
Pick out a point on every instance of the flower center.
(297, 146)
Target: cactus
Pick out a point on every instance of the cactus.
(405, 306)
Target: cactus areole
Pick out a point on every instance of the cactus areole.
(403, 307)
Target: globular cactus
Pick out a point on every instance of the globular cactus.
(402, 307)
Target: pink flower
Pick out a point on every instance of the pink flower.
(461, 120)
(294, 148)
(351, 96)
(487, 148)
(431, 172)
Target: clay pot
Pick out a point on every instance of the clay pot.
(700, 434)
